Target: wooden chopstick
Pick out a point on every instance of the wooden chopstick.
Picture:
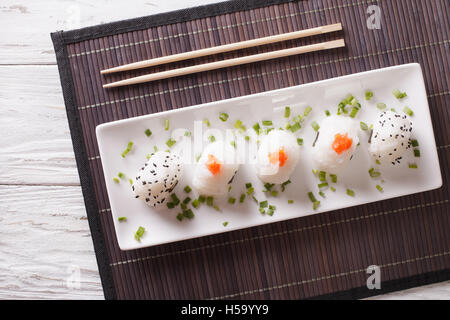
(228, 63)
(226, 48)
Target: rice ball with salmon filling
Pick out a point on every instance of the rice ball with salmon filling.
(277, 156)
(215, 169)
(390, 137)
(157, 178)
(336, 142)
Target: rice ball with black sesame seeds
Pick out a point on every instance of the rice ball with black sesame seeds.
(390, 137)
(157, 178)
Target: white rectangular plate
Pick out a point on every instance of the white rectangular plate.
(163, 227)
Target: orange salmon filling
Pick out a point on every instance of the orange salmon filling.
(213, 164)
(279, 157)
(341, 143)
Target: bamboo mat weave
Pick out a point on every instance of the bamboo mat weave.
(324, 255)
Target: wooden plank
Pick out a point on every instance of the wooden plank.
(36, 145)
(20, 43)
(45, 243)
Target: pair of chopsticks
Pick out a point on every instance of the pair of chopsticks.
(230, 62)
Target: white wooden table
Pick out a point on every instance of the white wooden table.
(45, 243)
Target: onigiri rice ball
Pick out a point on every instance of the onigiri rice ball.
(336, 143)
(277, 156)
(215, 169)
(157, 178)
(390, 137)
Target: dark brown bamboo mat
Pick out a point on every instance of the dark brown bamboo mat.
(324, 255)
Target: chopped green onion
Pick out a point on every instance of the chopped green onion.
(408, 111)
(369, 95)
(267, 130)
(267, 122)
(130, 181)
(201, 198)
(373, 173)
(248, 185)
(316, 204)
(195, 203)
(187, 134)
(363, 126)
(231, 200)
(398, 94)
(148, 156)
(175, 199)
(170, 205)
(312, 197)
(414, 143)
(128, 149)
(139, 233)
(353, 102)
(116, 180)
(257, 128)
(210, 201)
(377, 161)
(393, 110)
(263, 204)
(284, 184)
(155, 148)
(225, 223)
(170, 142)
(223, 116)
(122, 219)
(379, 188)
(229, 188)
(268, 186)
(262, 210)
(121, 175)
(188, 213)
(290, 201)
(350, 192)
(197, 157)
(206, 121)
(187, 200)
(287, 112)
(332, 188)
(148, 132)
(180, 216)
(300, 141)
(270, 212)
(274, 193)
(242, 198)
(322, 176)
(238, 125)
(315, 126)
(354, 112)
(296, 126)
(233, 144)
(187, 189)
(166, 124)
(307, 111)
(381, 105)
(333, 178)
(322, 194)
(211, 138)
(250, 190)
(247, 138)
(417, 153)
(327, 113)
(412, 166)
(322, 185)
